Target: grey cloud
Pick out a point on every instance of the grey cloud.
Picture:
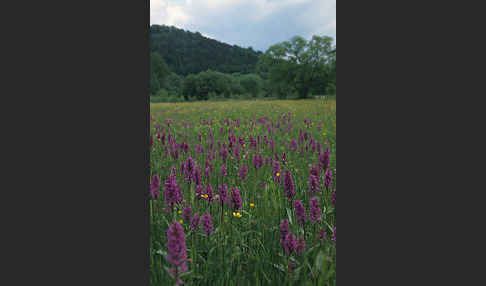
(240, 23)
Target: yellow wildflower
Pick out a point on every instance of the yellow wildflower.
(179, 212)
(252, 204)
(278, 174)
(180, 221)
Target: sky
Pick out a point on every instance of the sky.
(248, 23)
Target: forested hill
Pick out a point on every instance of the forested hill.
(190, 53)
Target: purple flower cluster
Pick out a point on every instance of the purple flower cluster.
(324, 160)
(186, 214)
(223, 193)
(328, 179)
(189, 170)
(289, 186)
(223, 171)
(199, 191)
(258, 161)
(207, 224)
(314, 210)
(284, 158)
(322, 235)
(207, 172)
(243, 172)
(155, 186)
(197, 175)
(293, 145)
(301, 245)
(195, 221)
(299, 211)
(199, 149)
(237, 152)
(235, 199)
(290, 243)
(314, 184)
(209, 192)
(177, 249)
(173, 193)
(314, 170)
(284, 229)
(224, 153)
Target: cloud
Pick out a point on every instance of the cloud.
(256, 23)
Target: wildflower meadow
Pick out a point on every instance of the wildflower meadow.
(243, 193)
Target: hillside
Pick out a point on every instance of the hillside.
(186, 52)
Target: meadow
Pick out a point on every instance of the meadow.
(243, 193)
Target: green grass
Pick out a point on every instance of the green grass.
(245, 250)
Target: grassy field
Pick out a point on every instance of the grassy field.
(247, 168)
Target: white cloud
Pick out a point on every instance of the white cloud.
(168, 13)
(257, 23)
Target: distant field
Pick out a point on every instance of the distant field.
(276, 154)
(318, 110)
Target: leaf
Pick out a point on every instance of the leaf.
(296, 273)
(289, 215)
(330, 271)
(329, 226)
(185, 273)
(198, 276)
(161, 252)
(266, 278)
(294, 260)
(247, 213)
(319, 260)
(279, 267)
(308, 251)
(166, 221)
(310, 268)
(211, 251)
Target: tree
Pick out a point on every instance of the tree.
(158, 72)
(299, 63)
(174, 83)
(191, 53)
(189, 87)
(154, 84)
(200, 86)
(252, 84)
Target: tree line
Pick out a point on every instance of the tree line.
(295, 68)
(187, 53)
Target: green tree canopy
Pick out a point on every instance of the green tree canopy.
(158, 72)
(251, 83)
(304, 65)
